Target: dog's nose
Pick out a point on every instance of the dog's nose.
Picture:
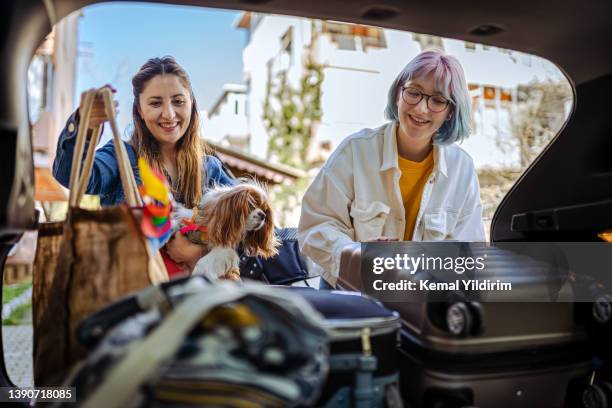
(260, 215)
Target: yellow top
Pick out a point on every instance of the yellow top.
(411, 183)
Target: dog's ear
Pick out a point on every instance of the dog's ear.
(263, 242)
(227, 216)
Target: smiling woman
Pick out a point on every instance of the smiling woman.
(166, 135)
(405, 180)
(166, 127)
(164, 105)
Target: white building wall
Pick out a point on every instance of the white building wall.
(228, 120)
(47, 121)
(66, 49)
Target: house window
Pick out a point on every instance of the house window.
(375, 37)
(490, 94)
(505, 96)
(428, 41)
(470, 46)
(287, 41)
(354, 37)
(345, 42)
(475, 97)
(235, 107)
(247, 110)
(40, 86)
(286, 52)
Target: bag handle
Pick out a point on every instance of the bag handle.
(125, 169)
(86, 103)
(79, 179)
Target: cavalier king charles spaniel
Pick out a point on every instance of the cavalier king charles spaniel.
(234, 216)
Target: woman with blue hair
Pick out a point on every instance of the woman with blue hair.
(406, 180)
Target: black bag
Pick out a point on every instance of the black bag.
(287, 267)
(192, 343)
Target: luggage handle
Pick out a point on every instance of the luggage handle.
(79, 179)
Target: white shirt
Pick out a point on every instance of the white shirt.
(356, 197)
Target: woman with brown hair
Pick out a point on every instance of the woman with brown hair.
(166, 133)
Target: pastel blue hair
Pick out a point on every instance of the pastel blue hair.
(449, 81)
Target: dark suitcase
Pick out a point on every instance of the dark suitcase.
(488, 326)
(548, 377)
(364, 353)
(501, 355)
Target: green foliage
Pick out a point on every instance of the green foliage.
(19, 315)
(538, 116)
(535, 119)
(290, 115)
(9, 292)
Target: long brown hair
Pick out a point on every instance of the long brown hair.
(189, 148)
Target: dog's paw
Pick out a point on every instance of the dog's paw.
(217, 263)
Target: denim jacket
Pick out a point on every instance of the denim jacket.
(105, 180)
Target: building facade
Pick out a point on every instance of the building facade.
(51, 98)
(359, 63)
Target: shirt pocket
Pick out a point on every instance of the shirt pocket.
(369, 219)
(439, 225)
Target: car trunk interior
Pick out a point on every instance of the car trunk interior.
(566, 193)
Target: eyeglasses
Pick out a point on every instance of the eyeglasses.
(435, 103)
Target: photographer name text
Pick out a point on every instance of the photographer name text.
(425, 284)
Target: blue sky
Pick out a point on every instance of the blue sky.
(116, 39)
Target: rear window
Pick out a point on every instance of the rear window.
(276, 96)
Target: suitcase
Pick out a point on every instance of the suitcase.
(462, 352)
(532, 377)
(364, 353)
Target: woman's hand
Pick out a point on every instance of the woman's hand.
(183, 251)
(98, 112)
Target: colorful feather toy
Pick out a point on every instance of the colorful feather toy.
(156, 222)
